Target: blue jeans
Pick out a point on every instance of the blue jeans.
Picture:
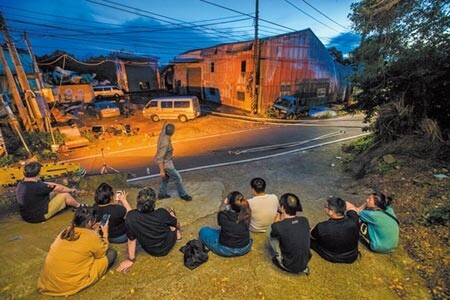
(171, 172)
(118, 240)
(210, 237)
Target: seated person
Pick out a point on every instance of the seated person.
(233, 237)
(39, 200)
(379, 228)
(156, 230)
(263, 206)
(336, 239)
(289, 237)
(116, 208)
(78, 257)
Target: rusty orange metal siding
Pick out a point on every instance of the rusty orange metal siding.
(295, 63)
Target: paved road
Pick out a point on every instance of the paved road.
(194, 149)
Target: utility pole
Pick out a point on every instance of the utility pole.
(33, 107)
(15, 93)
(256, 64)
(40, 95)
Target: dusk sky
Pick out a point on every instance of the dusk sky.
(164, 29)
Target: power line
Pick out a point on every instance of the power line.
(301, 10)
(324, 15)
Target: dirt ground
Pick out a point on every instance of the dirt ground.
(425, 235)
(308, 174)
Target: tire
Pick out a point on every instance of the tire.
(155, 118)
(182, 118)
(99, 97)
(117, 96)
(290, 117)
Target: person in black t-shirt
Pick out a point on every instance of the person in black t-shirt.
(336, 239)
(233, 237)
(289, 237)
(38, 200)
(156, 230)
(116, 208)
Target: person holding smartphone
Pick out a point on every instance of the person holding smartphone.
(117, 206)
(79, 256)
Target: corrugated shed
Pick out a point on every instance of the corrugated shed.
(296, 63)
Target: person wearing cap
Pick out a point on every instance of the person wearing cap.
(156, 230)
(289, 237)
(164, 160)
(38, 200)
(336, 239)
(264, 206)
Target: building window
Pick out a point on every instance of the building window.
(212, 67)
(321, 92)
(144, 85)
(241, 96)
(285, 89)
(243, 66)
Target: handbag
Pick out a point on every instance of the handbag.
(195, 253)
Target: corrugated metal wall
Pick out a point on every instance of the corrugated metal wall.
(296, 63)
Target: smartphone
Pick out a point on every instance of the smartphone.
(105, 219)
(118, 194)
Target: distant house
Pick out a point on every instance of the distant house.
(130, 72)
(296, 63)
(136, 73)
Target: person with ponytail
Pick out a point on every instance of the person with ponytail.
(233, 237)
(156, 230)
(78, 257)
(379, 227)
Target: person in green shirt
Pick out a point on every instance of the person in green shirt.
(379, 225)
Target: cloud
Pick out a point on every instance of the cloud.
(345, 42)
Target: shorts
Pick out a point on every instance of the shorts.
(56, 204)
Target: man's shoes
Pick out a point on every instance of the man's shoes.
(186, 197)
(163, 196)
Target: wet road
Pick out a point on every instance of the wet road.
(200, 150)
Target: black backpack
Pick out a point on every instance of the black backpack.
(195, 253)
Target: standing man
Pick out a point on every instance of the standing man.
(163, 159)
(263, 206)
(38, 200)
(289, 237)
(336, 239)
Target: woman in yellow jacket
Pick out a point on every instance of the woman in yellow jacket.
(78, 257)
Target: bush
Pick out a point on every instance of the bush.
(359, 145)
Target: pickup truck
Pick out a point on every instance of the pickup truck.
(288, 107)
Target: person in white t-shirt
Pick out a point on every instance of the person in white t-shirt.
(264, 206)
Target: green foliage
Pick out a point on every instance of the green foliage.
(436, 216)
(7, 160)
(359, 145)
(404, 59)
(38, 143)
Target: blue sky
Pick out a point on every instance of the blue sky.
(167, 28)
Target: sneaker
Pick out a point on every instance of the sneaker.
(163, 196)
(186, 197)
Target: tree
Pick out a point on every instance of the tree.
(405, 66)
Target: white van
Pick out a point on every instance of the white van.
(107, 91)
(183, 108)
